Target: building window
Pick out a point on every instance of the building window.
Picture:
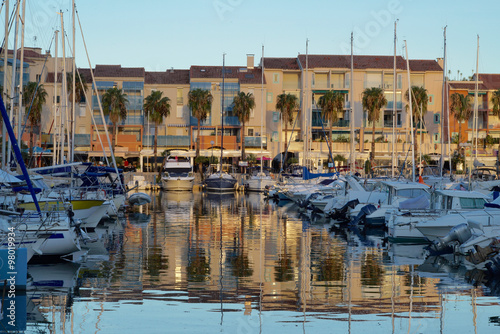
(250, 132)
(436, 138)
(431, 99)
(276, 78)
(179, 111)
(180, 99)
(437, 118)
(269, 97)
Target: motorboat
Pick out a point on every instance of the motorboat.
(177, 174)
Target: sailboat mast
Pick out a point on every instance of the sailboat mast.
(73, 114)
(64, 95)
(222, 113)
(21, 74)
(13, 80)
(5, 61)
(54, 136)
(351, 121)
(411, 116)
(476, 102)
(261, 110)
(304, 110)
(443, 107)
(394, 106)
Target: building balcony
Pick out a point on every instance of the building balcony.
(165, 141)
(194, 121)
(82, 140)
(255, 141)
(231, 120)
(130, 120)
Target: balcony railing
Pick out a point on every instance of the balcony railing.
(148, 140)
(130, 120)
(231, 120)
(399, 105)
(82, 139)
(255, 141)
(194, 121)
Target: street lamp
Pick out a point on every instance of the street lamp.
(212, 160)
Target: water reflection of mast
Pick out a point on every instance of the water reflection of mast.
(261, 260)
(411, 297)
(220, 262)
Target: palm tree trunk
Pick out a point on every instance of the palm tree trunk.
(372, 160)
(156, 144)
(330, 140)
(286, 131)
(242, 141)
(115, 134)
(198, 139)
(31, 160)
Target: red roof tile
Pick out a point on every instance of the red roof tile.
(281, 63)
(344, 61)
(84, 73)
(492, 81)
(167, 77)
(424, 65)
(467, 85)
(117, 71)
(244, 75)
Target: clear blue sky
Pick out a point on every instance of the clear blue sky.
(158, 35)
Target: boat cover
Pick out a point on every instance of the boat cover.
(420, 202)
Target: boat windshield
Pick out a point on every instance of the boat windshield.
(178, 171)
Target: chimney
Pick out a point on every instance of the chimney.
(440, 62)
(250, 59)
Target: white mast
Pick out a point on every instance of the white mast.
(445, 101)
(64, 95)
(21, 73)
(13, 82)
(304, 110)
(394, 107)
(54, 136)
(5, 61)
(73, 115)
(411, 116)
(476, 102)
(261, 111)
(351, 121)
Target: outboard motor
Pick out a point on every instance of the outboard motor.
(460, 233)
(365, 211)
(341, 214)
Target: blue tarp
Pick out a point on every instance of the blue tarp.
(306, 175)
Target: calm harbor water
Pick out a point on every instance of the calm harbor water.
(200, 263)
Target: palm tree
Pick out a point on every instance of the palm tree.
(200, 103)
(114, 104)
(80, 87)
(373, 101)
(287, 104)
(34, 97)
(419, 106)
(460, 109)
(243, 104)
(331, 104)
(156, 107)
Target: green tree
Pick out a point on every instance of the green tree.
(419, 107)
(287, 104)
(332, 103)
(80, 87)
(460, 109)
(114, 104)
(200, 103)
(495, 99)
(34, 97)
(155, 108)
(373, 101)
(243, 104)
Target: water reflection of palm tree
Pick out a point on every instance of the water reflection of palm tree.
(284, 265)
(155, 262)
(238, 258)
(372, 272)
(198, 268)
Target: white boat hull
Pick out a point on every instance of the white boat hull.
(178, 184)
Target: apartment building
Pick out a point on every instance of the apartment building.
(307, 76)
